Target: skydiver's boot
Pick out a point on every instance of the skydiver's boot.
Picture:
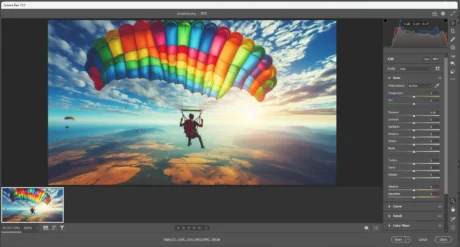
(201, 141)
(189, 142)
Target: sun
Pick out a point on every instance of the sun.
(251, 114)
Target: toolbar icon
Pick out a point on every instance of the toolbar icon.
(453, 23)
(452, 39)
(452, 47)
(453, 218)
(452, 63)
(452, 30)
(366, 228)
(443, 13)
(434, 13)
(452, 209)
(453, 201)
(452, 71)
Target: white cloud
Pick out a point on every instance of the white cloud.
(65, 99)
(71, 90)
(59, 61)
(54, 42)
(88, 103)
(80, 56)
(113, 92)
(63, 84)
(50, 29)
(96, 106)
(95, 26)
(80, 83)
(118, 94)
(291, 40)
(269, 27)
(131, 22)
(248, 29)
(87, 25)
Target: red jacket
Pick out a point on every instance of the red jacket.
(190, 127)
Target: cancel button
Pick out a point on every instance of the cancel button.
(422, 240)
(443, 239)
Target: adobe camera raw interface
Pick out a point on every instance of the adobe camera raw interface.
(229, 124)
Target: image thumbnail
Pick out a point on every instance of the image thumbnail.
(411, 33)
(192, 102)
(29, 205)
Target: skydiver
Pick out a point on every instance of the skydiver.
(32, 210)
(190, 128)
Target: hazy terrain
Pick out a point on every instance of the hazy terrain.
(159, 155)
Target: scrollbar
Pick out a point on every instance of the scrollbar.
(445, 135)
(445, 112)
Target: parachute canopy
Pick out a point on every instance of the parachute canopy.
(30, 194)
(69, 118)
(202, 57)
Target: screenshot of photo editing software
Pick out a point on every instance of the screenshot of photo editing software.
(328, 124)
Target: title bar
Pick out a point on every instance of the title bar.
(230, 5)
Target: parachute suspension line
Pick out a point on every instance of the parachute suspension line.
(201, 102)
(179, 104)
(194, 103)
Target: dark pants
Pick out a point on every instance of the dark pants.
(199, 138)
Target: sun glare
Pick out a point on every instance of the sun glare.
(251, 114)
(42, 207)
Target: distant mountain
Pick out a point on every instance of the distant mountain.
(137, 132)
(313, 135)
(284, 143)
(321, 138)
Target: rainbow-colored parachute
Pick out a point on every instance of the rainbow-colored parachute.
(202, 57)
(69, 118)
(30, 194)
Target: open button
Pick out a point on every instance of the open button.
(399, 239)
(443, 239)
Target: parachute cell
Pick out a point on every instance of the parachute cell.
(204, 58)
(33, 195)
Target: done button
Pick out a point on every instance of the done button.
(443, 239)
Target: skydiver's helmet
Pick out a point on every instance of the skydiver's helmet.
(191, 116)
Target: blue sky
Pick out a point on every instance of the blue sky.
(57, 199)
(304, 53)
